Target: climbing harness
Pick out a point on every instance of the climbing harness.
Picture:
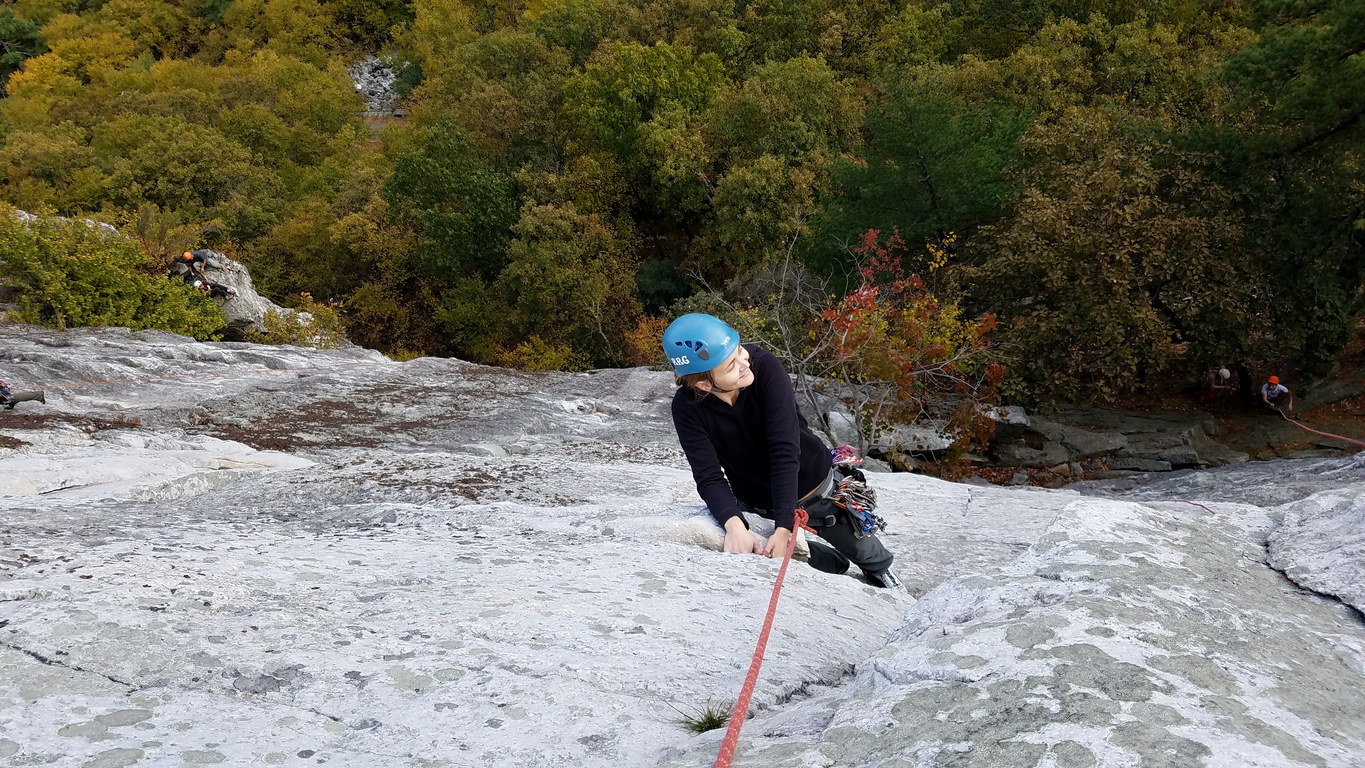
(853, 495)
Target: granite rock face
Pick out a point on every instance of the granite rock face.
(236, 554)
(1144, 442)
(247, 310)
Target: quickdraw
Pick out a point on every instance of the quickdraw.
(853, 495)
(845, 456)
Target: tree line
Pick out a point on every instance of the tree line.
(1101, 193)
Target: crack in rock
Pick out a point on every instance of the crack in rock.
(51, 662)
(1328, 596)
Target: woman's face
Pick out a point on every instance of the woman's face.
(732, 374)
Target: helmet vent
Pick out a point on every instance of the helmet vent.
(696, 346)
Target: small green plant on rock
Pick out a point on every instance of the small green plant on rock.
(707, 717)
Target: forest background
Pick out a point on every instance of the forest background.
(1096, 194)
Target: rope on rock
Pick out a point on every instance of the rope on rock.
(194, 375)
(1300, 425)
(741, 708)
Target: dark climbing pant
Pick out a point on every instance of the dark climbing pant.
(833, 525)
(866, 552)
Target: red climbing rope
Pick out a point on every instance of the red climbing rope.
(741, 709)
(193, 375)
(1317, 432)
(1297, 424)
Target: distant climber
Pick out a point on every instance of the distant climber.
(9, 397)
(751, 451)
(1272, 390)
(216, 290)
(1214, 380)
(191, 264)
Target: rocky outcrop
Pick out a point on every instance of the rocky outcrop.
(374, 82)
(1121, 441)
(105, 228)
(247, 310)
(226, 553)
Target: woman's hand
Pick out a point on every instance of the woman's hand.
(777, 543)
(738, 540)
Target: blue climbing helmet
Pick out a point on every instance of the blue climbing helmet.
(696, 343)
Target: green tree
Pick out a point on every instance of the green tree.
(369, 24)
(776, 136)
(704, 26)
(1122, 258)
(19, 40)
(302, 29)
(627, 84)
(577, 26)
(1306, 71)
(798, 109)
(1298, 161)
(840, 31)
(760, 209)
(934, 164)
(503, 89)
(461, 205)
(571, 283)
(189, 168)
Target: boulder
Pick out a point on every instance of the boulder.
(841, 426)
(1080, 443)
(1008, 414)
(1140, 464)
(1180, 457)
(927, 437)
(374, 82)
(1019, 454)
(248, 309)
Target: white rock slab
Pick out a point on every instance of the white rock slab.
(291, 558)
(1124, 636)
(1321, 544)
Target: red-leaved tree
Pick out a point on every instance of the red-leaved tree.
(890, 350)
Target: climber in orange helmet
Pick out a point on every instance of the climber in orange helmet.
(1272, 390)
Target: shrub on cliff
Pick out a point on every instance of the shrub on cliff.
(72, 274)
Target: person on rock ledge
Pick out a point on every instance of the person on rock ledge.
(751, 450)
(8, 397)
(1272, 390)
(190, 265)
(216, 290)
(1214, 380)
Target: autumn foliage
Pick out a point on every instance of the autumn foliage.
(900, 353)
(1134, 190)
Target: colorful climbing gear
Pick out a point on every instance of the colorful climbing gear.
(853, 495)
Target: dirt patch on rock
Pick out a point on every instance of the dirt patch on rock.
(322, 424)
(49, 419)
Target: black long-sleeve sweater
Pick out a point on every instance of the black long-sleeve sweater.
(760, 450)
